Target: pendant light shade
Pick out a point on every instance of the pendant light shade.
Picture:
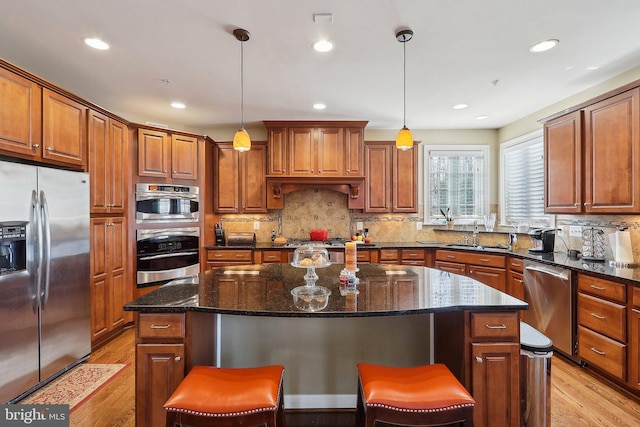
(404, 140)
(241, 140)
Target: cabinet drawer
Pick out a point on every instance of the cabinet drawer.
(364, 256)
(602, 316)
(602, 352)
(495, 325)
(388, 255)
(471, 258)
(602, 288)
(413, 254)
(451, 267)
(161, 325)
(271, 256)
(229, 255)
(516, 264)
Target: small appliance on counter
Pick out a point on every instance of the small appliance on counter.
(593, 244)
(542, 240)
(219, 233)
(241, 239)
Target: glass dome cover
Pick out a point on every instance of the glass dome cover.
(311, 256)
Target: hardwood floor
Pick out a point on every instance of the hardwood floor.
(578, 398)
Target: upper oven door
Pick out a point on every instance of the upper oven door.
(165, 240)
(163, 203)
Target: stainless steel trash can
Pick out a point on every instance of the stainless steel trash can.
(536, 350)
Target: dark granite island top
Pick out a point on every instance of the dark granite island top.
(383, 290)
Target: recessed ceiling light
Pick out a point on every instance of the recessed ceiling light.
(544, 45)
(319, 106)
(483, 117)
(96, 43)
(323, 46)
(460, 106)
(178, 105)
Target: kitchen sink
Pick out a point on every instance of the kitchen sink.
(476, 247)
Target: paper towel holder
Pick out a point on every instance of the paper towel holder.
(619, 264)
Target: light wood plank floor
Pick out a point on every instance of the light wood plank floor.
(577, 397)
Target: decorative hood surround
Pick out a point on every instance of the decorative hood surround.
(278, 186)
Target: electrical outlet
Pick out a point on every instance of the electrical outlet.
(256, 225)
(359, 225)
(575, 231)
(418, 225)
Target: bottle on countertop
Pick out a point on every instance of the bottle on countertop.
(273, 235)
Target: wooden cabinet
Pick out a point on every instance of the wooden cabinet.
(389, 256)
(108, 164)
(610, 180)
(239, 179)
(309, 149)
(64, 131)
(391, 178)
(109, 290)
(602, 325)
(164, 155)
(413, 257)
(223, 257)
(634, 339)
(486, 268)
(20, 116)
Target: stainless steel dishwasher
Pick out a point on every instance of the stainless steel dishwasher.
(551, 294)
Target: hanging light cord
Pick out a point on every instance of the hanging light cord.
(404, 84)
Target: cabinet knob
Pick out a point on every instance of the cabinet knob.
(175, 172)
(478, 359)
(349, 170)
(36, 145)
(586, 203)
(49, 148)
(576, 204)
(178, 358)
(164, 170)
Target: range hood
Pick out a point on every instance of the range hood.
(279, 185)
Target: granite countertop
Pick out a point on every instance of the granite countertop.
(384, 290)
(558, 259)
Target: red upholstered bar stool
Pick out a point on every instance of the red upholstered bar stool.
(427, 395)
(227, 397)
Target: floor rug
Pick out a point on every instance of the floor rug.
(77, 385)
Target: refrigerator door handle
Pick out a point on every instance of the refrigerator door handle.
(46, 259)
(36, 220)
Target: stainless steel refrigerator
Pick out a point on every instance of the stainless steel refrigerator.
(45, 323)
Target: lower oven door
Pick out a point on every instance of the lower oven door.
(153, 269)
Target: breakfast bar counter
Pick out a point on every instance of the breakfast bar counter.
(397, 315)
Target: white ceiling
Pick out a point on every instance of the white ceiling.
(459, 48)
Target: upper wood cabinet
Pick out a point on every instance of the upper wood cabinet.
(64, 129)
(108, 165)
(592, 158)
(392, 178)
(164, 155)
(239, 179)
(20, 115)
(325, 149)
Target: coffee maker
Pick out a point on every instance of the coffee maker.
(219, 234)
(542, 241)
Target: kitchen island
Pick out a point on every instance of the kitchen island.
(403, 315)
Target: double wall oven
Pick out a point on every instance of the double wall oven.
(172, 251)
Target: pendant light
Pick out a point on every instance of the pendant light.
(404, 140)
(241, 140)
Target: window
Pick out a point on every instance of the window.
(456, 177)
(522, 181)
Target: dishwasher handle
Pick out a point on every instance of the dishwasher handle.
(562, 274)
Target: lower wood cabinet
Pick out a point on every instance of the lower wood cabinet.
(222, 257)
(634, 340)
(109, 289)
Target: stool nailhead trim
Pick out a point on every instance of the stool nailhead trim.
(228, 414)
(448, 408)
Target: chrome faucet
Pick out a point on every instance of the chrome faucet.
(475, 233)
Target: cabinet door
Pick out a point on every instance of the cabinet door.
(494, 277)
(634, 349)
(353, 152)
(64, 129)
(563, 164)
(253, 166)
(184, 157)
(378, 182)
(378, 294)
(118, 166)
(159, 370)
(226, 188)
(612, 154)
(301, 143)
(119, 293)
(405, 180)
(99, 277)
(99, 162)
(329, 151)
(20, 115)
(277, 164)
(153, 153)
(495, 384)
